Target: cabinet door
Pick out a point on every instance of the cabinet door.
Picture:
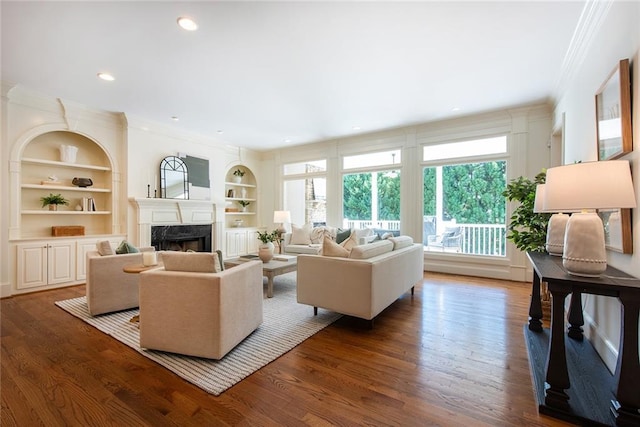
(32, 265)
(232, 244)
(252, 241)
(81, 258)
(242, 242)
(61, 262)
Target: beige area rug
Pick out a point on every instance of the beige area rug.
(286, 324)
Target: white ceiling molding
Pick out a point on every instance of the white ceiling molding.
(591, 18)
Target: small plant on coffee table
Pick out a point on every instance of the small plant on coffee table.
(266, 237)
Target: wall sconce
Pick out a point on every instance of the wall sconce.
(587, 186)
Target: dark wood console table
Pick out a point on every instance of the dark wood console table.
(555, 400)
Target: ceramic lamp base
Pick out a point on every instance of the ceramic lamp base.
(584, 247)
(555, 234)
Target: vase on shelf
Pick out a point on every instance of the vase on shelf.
(243, 193)
(68, 153)
(265, 251)
(53, 207)
(237, 179)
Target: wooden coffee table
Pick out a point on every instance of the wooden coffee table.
(270, 269)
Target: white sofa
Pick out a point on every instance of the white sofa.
(372, 278)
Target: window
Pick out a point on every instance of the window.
(464, 210)
(305, 192)
(372, 198)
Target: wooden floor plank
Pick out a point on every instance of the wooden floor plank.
(451, 355)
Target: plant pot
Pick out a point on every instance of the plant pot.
(237, 179)
(53, 207)
(265, 251)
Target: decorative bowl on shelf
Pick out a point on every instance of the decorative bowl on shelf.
(82, 182)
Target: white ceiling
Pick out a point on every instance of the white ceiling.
(269, 72)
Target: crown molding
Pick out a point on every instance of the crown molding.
(591, 19)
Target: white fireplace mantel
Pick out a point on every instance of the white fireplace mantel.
(152, 212)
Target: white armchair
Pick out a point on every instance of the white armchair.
(108, 287)
(197, 313)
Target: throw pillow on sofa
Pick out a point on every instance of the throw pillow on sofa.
(351, 241)
(332, 249)
(342, 235)
(317, 233)
(126, 248)
(300, 235)
(104, 248)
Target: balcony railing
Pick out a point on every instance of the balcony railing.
(476, 239)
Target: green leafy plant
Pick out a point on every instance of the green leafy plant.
(266, 237)
(244, 203)
(527, 229)
(239, 172)
(53, 199)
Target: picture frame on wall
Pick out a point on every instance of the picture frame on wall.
(613, 114)
(617, 229)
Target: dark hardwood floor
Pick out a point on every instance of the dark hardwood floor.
(453, 355)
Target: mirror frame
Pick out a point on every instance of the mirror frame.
(173, 164)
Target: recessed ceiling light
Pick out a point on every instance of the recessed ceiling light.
(175, 118)
(187, 23)
(455, 109)
(356, 128)
(106, 76)
(287, 141)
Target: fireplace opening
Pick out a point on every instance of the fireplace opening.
(181, 237)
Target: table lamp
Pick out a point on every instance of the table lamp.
(556, 226)
(282, 218)
(587, 186)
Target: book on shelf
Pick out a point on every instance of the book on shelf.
(88, 204)
(249, 256)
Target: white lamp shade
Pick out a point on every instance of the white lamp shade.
(538, 204)
(281, 217)
(591, 185)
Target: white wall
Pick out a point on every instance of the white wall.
(618, 37)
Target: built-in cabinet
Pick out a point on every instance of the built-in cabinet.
(45, 263)
(43, 260)
(241, 235)
(55, 261)
(241, 241)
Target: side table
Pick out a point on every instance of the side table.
(613, 283)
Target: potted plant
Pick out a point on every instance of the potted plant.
(244, 204)
(266, 249)
(527, 229)
(238, 174)
(53, 200)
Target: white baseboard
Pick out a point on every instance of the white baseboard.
(5, 290)
(479, 270)
(607, 351)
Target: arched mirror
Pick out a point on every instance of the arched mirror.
(174, 178)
